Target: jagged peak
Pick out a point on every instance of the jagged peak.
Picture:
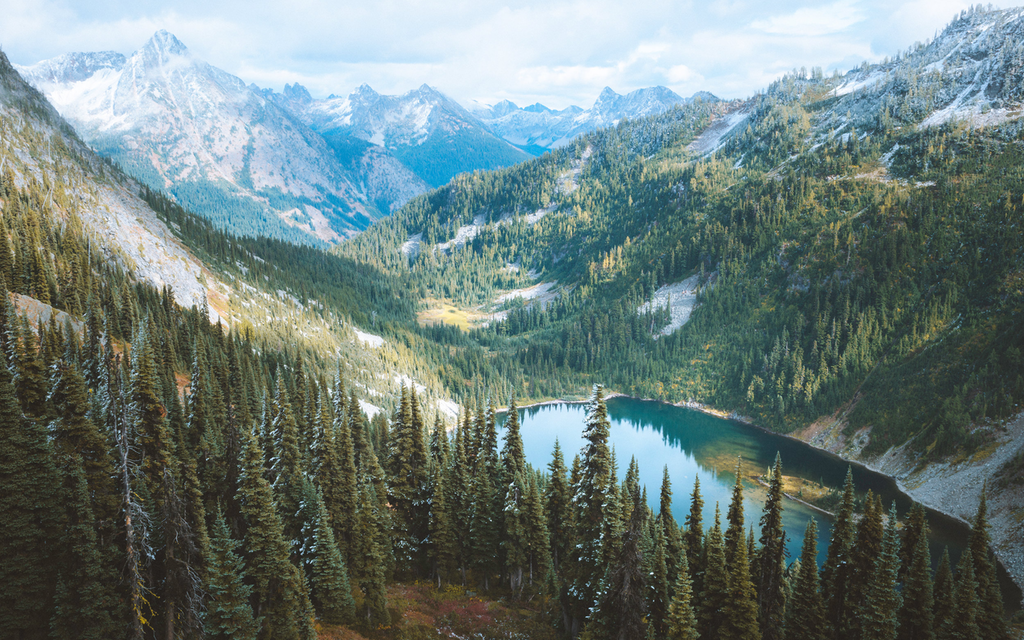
(298, 93)
(164, 41)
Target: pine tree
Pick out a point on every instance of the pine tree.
(734, 533)
(86, 599)
(557, 508)
(916, 620)
(771, 561)
(879, 613)
(444, 548)
(835, 573)
(28, 528)
(741, 605)
(694, 539)
(590, 504)
(673, 540)
(962, 623)
(990, 608)
(866, 549)
(805, 612)
(623, 607)
(326, 573)
(279, 590)
(682, 623)
(658, 598)
(711, 606)
(228, 614)
(943, 594)
(370, 554)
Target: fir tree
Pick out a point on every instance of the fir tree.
(28, 528)
(682, 623)
(771, 561)
(623, 607)
(442, 535)
(673, 540)
(943, 594)
(805, 612)
(279, 590)
(557, 508)
(879, 613)
(917, 617)
(740, 609)
(228, 614)
(962, 623)
(370, 554)
(711, 605)
(326, 573)
(990, 608)
(734, 534)
(87, 601)
(694, 539)
(835, 573)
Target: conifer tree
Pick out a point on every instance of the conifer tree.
(682, 622)
(713, 598)
(805, 612)
(880, 611)
(370, 554)
(591, 504)
(86, 602)
(326, 573)
(943, 594)
(28, 528)
(673, 540)
(990, 606)
(741, 605)
(485, 535)
(537, 537)
(864, 553)
(658, 598)
(694, 539)
(916, 621)
(278, 586)
(557, 508)
(623, 607)
(228, 614)
(835, 573)
(735, 537)
(771, 561)
(442, 535)
(962, 623)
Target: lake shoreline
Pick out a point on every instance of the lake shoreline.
(1007, 548)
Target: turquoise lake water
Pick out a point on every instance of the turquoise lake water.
(692, 444)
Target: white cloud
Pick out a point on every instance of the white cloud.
(558, 52)
(813, 21)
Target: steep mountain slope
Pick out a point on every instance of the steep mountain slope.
(82, 210)
(854, 243)
(538, 128)
(219, 146)
(427, 131)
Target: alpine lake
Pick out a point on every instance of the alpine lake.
(694, 444)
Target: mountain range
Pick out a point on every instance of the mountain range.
(538, 128)
(287, 165)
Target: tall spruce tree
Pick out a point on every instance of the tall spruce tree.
(715, 594)
(880, 612)
(835, 573)
(990, 608)
(917, 618)
(962, 623)
(694, 539)
(682, 622)
(326, 573)
(228, 613)
(87, 604)
(943, 594)
(740, 609)
(805, 611)
(28, 528)
(622, 608)
(771, 588)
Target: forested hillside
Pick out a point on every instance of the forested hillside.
(856, 240)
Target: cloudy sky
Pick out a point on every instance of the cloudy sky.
(558, 52)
